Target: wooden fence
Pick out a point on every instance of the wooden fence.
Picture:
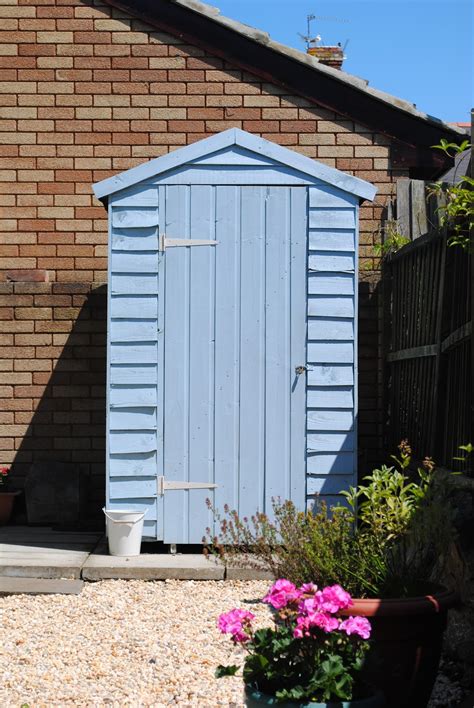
(428, 340)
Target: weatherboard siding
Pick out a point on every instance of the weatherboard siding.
(137, 349)
(132, 408)
(331, 399)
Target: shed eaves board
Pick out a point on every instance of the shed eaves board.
(135, 420)
(228, 138)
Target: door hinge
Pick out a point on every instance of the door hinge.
(164, 485)
(166, 242)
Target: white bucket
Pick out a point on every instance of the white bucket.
(124, 531)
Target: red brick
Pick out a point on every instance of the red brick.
(36, 50)
(35, 275)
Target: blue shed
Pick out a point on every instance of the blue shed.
(232, 332)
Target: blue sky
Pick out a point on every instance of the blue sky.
(420, 50)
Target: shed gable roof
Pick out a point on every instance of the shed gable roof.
(235, 137)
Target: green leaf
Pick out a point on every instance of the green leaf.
(226, 670)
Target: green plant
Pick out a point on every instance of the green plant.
(393, 240)
(393, 537)
(467, 449)
(318, 546)
(310, 653)
(458, 210)
(409, 517)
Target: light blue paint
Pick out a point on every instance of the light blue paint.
(133, 374)
(126, 284)
(133, 330)
(320, 306)
(132, 395)
(330, 352)
(330, 375)
(334, 284)
(329, 486)
(330, 420)
(326, 240)
(220, 141)
(330, 463)
(133, 419)
(203, 342)
(133, 464)
(331, 218)
(134, 218)
(320, 328)
(325, 262)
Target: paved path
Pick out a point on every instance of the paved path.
(33, 552)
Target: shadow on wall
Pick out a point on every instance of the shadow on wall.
(61, 459)
(370, 416)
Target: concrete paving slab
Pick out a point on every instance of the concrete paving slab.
(185, 566)
(39, 549)
(39, 586)
(29, 552)
(46, 554)
(41, 567)
(247, 574)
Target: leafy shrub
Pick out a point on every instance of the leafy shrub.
(394, 538)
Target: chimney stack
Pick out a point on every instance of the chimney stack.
(331, 56)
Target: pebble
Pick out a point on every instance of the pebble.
(126, 643)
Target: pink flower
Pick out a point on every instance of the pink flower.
(320, 620)
(356, 625)
(281, 594)
(4, 471)
(308, 605)
(236, 622)
(302, 627)
(332, 599)
(308, 588)
(324, 621)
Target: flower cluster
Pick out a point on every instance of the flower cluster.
(311, 652)
(4, 472)
(310, 610)
(236, 623)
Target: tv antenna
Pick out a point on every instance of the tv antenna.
(308, 38)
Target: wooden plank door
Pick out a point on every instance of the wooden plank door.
(232, 327)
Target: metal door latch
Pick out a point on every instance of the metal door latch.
(165, 242)
(163, 484)
(300, 370)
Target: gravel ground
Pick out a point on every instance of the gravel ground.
(132, 643)
(123, 643)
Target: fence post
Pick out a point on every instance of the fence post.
(438, 414)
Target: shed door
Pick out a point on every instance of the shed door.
(232, 321)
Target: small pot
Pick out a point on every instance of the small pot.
(406, 639)
(254, 699)
(6, 505)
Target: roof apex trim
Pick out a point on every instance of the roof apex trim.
(235, 136)
(213, 13)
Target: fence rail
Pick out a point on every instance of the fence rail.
(428, 339)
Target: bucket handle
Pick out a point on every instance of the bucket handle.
(129, 523)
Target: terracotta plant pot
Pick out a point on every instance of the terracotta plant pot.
(6, 506)
(407, 636)
(255, 699)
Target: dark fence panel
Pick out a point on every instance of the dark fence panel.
(428, 347)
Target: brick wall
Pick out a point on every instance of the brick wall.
(52, 379)
(86, 92)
